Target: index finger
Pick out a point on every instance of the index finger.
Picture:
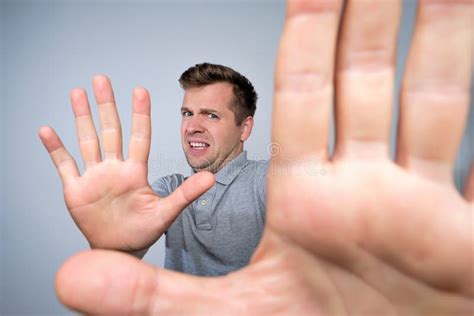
(139, 146)
(304, 78)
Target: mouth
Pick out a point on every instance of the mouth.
(198, 145)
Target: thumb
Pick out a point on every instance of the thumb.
(172, 205)
(113, 283)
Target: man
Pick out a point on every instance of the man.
(371, 237)
(114, 206)
(218, 232)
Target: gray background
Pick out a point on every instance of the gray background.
(49, 47)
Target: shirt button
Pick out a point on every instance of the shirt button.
(203, 202)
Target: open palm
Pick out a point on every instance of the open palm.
(369, 250)
(112, 202)
(351, 234)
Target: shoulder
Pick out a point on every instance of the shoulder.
(258, 168)
(166, 185)
(259, 171)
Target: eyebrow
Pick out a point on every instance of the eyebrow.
(202, 110)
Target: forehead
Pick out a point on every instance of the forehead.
(216, 96)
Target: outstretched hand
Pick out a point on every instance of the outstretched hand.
(111, 202)
(351, 234)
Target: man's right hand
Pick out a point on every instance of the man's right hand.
(112, 202)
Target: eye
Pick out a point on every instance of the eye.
(212, 116)
(186, 114)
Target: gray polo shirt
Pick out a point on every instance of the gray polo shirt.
(218, 232)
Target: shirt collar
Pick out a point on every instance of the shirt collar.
(227, 174)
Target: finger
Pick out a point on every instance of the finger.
(87, 135)
(303, 79)
(63, 161)
(112, 283)
(469, 187)
(109, 119)
(101, 282)
(139, 146)
(435, 92)
(365, 75)
(186, 193)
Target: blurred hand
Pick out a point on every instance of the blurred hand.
(111, 202)
(351, 234)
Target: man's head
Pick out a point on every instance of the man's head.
(217, 115)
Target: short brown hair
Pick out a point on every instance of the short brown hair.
(244, 102)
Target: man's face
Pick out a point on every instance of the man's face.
(209, 134)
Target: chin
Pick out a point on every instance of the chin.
(198, 164)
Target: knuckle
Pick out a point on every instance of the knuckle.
(303, 82)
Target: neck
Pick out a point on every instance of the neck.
(219, 164)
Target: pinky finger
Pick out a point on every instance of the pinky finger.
(63, 161)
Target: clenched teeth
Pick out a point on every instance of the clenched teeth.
(198, 145)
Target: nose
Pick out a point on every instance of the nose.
(194, 125)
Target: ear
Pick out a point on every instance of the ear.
(246, 128)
